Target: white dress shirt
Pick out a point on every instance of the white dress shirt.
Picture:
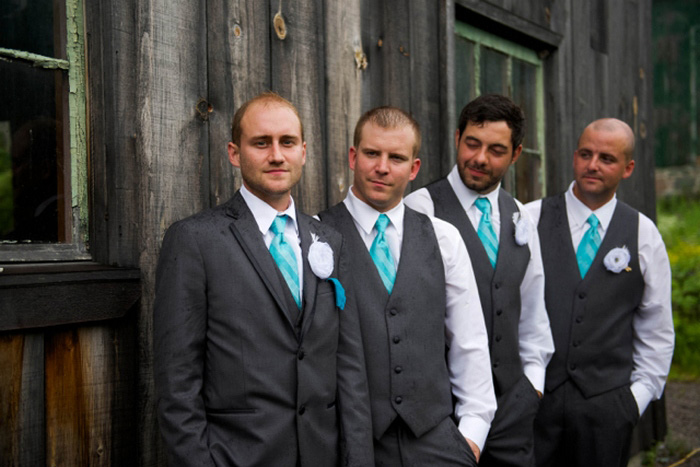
(653, 321)
(536, 345)
(468, 359)
(264, 215)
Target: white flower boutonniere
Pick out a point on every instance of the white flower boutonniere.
(320, 258)
(617, 260)
(523, 228)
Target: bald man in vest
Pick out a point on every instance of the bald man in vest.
(608, 296)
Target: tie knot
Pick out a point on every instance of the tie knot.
(593, 221)
(382, 223)
(279, 224)
(483, 205)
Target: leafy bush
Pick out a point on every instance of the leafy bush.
(679, 224)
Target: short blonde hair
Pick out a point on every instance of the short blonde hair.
(388, 117)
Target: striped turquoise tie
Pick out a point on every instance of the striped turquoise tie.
(284, 256)
(381, 255)
(485, 231)
(588, 247)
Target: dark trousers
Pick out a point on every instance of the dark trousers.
(574, 431)
(444, 445)
(511, 438)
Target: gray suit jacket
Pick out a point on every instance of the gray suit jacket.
(242, 376)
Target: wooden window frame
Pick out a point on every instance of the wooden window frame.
(75, 230)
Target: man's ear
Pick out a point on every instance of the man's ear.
(415, 167)
(629, 168)
(516, 154)
(352, 157)
(234, 155)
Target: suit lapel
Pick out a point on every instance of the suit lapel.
(245, 229)
(310, 280)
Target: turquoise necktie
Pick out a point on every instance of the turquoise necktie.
(588, 247)
(381, 255)
(485, 231)
(284, 256)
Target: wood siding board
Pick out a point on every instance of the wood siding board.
(345, 63)
(238, 69)
(32, 438)
(448, 117)
(373, 43)
(297, 67)
(424, 72)
(396, 50)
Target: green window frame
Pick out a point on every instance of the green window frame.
(73, 217)
(487, 63)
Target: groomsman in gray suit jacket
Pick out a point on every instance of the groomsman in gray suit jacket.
(420, 314)
(608, 295)
(505, 254)
(258, 357)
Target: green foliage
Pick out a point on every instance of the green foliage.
(679, 224)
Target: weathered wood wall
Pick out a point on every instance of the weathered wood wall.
(164, 80)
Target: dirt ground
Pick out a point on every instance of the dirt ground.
(683, 417)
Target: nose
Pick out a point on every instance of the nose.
(382, 164)
(276, 152)
(593, 163)
(480, 156)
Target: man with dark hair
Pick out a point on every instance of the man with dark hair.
(418, 305)
(505, 256)
(608, 295)
(258, 358)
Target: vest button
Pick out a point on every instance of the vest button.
(572, 367)
(582, 295)
(579, 319)
(396, 339)
(393, 312)
(302, 409)
(495, 364)
(497, 285)
(301, 355)
(576, 343)
(398, 369)
(398, 399)
(499, 312)
(498, 338)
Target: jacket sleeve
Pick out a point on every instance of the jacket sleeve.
(356, 442)
(179, 332)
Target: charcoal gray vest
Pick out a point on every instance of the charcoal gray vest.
(591, 318)
(403, 334)
(499, 289)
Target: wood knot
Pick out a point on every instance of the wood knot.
(380, 42)
(280, 27)
(360, 59)
(203, 109)
(404, 51)
(237, 30)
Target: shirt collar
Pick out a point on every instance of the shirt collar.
(578, 212)
(366, 216)
(467, 196)
(265, 214)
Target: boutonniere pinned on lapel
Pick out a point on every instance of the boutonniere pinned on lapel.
(523, 228)
(321, 261)
(617, 260)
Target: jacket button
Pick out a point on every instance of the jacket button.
(576, 343)
(499, 312)
(498, 338)
(398, 369)
(582, 295)
(497, 285)
(301, 355)
(398, 399)
(396, 339)
(579, 319)
(393, 312)
(302, 409)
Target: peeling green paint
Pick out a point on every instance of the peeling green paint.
(75, 51)
(36, 60)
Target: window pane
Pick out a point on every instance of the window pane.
(494, 72)
(524, 94)
(464, 70)
(28, 26)
(31, 153)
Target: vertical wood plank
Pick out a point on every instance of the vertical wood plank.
(448, 117)
(345, 63)
(396, 52)
(238, 59)
(373, 44)
(297, 71)
(172, 157)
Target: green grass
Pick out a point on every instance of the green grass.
(679, 224)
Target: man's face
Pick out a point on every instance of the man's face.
(484, 153)
(383, 164)
(271, 152)
(599, 165)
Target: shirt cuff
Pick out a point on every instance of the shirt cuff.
(476, 429)
(642, 396)
(535, 374)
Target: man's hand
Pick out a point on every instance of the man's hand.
(475, 448)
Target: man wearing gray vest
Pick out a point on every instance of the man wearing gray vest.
(608, 295)
(422, 327)
(505, 254)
